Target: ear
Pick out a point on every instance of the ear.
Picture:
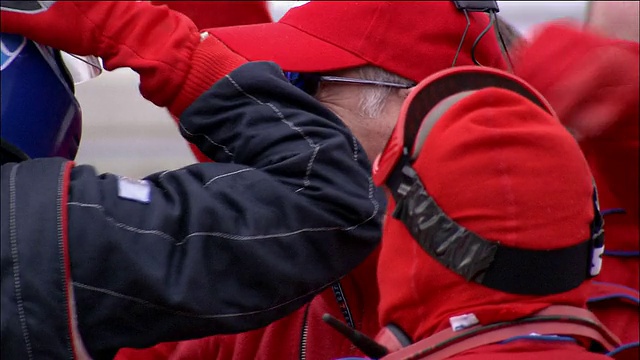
(404, 93)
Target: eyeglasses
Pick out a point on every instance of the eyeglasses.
(309, 83)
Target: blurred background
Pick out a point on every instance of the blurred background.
(127, 135)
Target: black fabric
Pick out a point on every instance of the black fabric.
(287, 209)
(541, 272)
(482, 6)
(34, 314)
(10, 153)
(401, 177)
(225, 247)
(500, 267)
(25, 6)
(455, 247)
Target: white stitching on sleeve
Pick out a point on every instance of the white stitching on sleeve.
(221, 235)
(64, 286)
(312, 144)
(121, 225)
(229, 236)
(306, 181)
(224, 148)
(227, 174)
(162, 174)
(187, 314)
(16, 263)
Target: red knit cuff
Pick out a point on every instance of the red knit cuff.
(211, 61)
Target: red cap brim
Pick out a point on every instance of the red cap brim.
(290, 48)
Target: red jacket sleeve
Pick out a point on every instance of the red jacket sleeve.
(176, 64)
(593, 84)
(211, 14)
(161, 351)
(587, 78)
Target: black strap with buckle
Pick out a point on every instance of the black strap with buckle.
(489, 263)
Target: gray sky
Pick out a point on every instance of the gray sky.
(522, 14)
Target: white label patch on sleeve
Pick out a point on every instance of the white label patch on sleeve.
(463, 321)
(132, 189)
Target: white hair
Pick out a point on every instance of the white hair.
(373, 98)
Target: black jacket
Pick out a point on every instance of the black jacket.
(287, 208)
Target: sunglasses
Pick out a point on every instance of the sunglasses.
(309, 82)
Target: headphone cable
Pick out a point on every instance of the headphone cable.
(464, 35)
(492, 20)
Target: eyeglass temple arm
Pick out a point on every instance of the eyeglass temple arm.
(363, 81)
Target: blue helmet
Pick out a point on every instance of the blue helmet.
(40, 114)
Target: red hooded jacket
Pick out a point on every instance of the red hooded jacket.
(598, 100)
(485, 167)
(592, 83)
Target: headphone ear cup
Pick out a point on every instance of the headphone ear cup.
(446, 84)
(432, 118)
(393, 338)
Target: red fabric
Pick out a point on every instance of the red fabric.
(211, 61)
(410, 38)
(488, 163)
(530, 350)
(433, 89)
(617, 307)
(211, 14)
(598, 99)
(162, 46)
(159, 352)
(89, 29)
(64, 221)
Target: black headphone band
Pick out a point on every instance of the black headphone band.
(428, 97)
(489, 263)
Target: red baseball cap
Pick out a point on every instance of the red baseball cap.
(413, 39)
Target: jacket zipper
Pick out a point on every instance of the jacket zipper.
(342, 304)
(303, 335)
(344, 309)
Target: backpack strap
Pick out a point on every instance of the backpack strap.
(602, 291)
(554, 320)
